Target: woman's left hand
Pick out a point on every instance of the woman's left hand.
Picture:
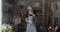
(30, 22)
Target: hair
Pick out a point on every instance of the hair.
(29, 6)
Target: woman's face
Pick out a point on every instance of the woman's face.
(30, 8)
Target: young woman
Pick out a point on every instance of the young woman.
(29, 19)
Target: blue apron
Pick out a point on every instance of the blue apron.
(30, 26)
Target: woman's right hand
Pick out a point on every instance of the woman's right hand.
(28, 21)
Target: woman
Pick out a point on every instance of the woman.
(29, 17)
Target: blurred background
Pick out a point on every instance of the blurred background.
(47, 13)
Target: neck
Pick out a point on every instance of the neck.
(30, 11)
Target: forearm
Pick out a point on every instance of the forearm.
(28, 21)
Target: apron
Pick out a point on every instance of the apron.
(30, 26)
